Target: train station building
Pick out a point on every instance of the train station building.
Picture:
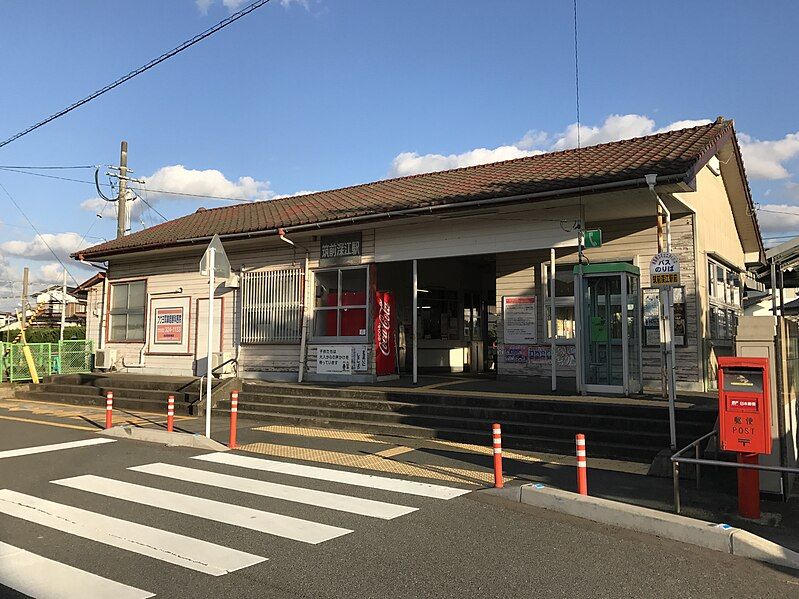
(473, 271)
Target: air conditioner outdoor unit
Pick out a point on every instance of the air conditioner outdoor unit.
(104, 359)
(220, 358)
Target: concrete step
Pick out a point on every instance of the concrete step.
(121, 403)
(530, 414)
(563, 431)
(509, 440)
(149, 394)
(621, 407)
(128, 381)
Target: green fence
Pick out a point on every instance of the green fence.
(64, 357)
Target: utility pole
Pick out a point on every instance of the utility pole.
(63, 304)
(122, 214)
(25, 273)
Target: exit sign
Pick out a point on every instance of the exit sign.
(593, 238)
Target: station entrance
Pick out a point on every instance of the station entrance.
(456, 311)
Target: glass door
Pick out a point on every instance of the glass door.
(633, 380)
(605, 335)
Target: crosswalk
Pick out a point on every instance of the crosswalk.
(230, 476)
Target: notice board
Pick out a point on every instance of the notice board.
(520, 319)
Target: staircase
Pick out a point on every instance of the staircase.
(615, 428)
(131, 391)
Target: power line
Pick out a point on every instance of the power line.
(166, 56)
(46, 168)
(44, 241)
(150, 206)
(778, 211)
(163, 191)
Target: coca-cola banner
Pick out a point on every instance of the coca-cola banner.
(385, 331)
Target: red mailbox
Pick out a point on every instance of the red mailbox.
(744, 405)
(745, 422)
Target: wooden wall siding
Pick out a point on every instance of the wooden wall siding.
(172, 270)
(519, 273)
(487, 234)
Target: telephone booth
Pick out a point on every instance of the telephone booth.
(608, 304)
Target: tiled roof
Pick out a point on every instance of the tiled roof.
(669, 154)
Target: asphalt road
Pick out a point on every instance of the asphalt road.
(469, 546)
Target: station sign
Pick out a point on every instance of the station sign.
(340, 249)
(664, 270)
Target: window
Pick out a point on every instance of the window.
(340, 302)
(272, 306)
(564, 302)
(724, 299)
(127, 311)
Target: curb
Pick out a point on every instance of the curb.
(163, 437)
(718, 537)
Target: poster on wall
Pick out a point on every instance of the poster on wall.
(334, 359)
(515, 354)
(520, 319)
(651, 320)
(360, 358)
(169, 325)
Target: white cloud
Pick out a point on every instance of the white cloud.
(533, 142)
(778, 218)
(411, 163)
(210, 182)
(234, 5)
(204, 5)
(765, 159)
(617, 127)
(36, 249)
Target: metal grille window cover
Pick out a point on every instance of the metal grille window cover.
(272, 306)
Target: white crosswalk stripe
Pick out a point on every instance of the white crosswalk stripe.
(340, 476)
(267, 522)
(333, 501)
(166, 546)
(44, 578)
(41, 577)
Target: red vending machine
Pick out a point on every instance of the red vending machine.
(385, 329)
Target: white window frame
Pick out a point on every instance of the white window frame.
(726, 306)
(272, 306)
(338, 338)
(127, 311)
(560, 301)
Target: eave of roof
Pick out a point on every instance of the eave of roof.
(676, 156)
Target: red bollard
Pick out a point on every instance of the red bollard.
(497, 433)
(109, 409)
(582, 467)
(234, 412)
(170, 413)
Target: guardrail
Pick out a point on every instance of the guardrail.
(698, 462)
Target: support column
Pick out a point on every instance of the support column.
(553, 321)
(415, 322)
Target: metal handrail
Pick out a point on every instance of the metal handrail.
(677, 459)
(213, 370)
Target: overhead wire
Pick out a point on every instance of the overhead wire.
(163, 191)
(41, 237)
(156, 61)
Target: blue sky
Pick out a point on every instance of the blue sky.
(324, 93)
